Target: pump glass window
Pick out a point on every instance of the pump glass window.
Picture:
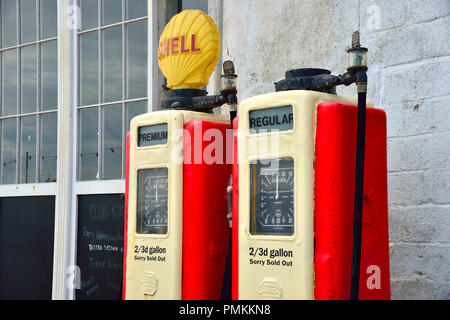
(272, 197)
(152, 196)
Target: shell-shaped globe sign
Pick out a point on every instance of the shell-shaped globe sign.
(188, 50)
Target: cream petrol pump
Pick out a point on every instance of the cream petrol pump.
(294, 191)
(177, 227)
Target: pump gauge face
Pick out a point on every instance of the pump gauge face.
(272, 197)
(152, 197)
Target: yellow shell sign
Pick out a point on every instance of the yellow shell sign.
(188, 50)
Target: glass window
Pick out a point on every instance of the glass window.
(29, 79)
(112, 142)
(112, 64)
(28, 150)
(49, 21)
(112, 11)
(27, 21)
(9, 82)
(195, 4)
(48, 147)
(137, 60)
(89, 14)
(29, 91)
(9, 23)
(49, 75)
(8, 151)
(136, 9)
(88, 144)
(134, 109)
(89, 68)
(112, 81)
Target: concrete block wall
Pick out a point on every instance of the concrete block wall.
(409, 76)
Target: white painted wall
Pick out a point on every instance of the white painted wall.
(409, 76)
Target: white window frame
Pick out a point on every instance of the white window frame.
(67, 189)
(37, 188)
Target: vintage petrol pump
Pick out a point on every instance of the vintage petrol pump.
(294, 202)
(177, 228)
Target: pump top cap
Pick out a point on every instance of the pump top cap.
(188, 50)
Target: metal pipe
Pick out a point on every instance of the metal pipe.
(229, 83)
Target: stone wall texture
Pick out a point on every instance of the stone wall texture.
(409, 77)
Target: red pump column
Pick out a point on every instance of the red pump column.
(205, 225)
(334, 192)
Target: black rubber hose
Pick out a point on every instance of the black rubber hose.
(358, 205)
(226, 292)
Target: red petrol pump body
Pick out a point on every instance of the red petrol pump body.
(205, 230)
(313, 260)
(333, 215)
(297, 227)
(205, 227)
(177, 229)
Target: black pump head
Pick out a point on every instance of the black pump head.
(308, 79)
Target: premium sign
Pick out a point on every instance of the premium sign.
(152, 135)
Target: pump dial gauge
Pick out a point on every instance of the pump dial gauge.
(272, 197)
(152, 201)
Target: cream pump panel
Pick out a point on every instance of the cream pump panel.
(155, 214)
(276, 193)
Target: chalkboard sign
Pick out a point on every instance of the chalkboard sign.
(26, 247)
(100, 246)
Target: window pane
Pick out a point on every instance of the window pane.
(28, 150)
(89, 68)
(196, 4)
(28, 21)
(112, 64)
(8, 151)
(29, 79)
(88, 144)
(49, 76)
(48, 148)
(137, 60)
(89, 14)
(134, 109)
(48, 18)
(136, 9)
(9, 26)
(112, 142)
(112, 11)
(9, 82)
